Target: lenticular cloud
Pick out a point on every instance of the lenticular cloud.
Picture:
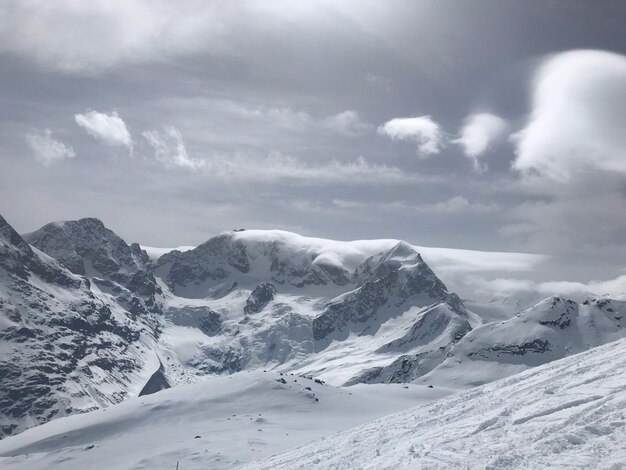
(577, 120)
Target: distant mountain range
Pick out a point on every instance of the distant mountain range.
(87, 320)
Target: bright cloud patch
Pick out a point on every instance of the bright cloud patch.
(478, 133)
(578, 118)
(454, 205)
(422, 130)
(118, 31)
(47, 149)
(348, 123)
(286, 168)
(169, 149)
(108, 128)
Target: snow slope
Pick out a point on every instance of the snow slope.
(569, 413)
(221, 423)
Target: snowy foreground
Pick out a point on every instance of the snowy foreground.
(221, 423)
(566, 414)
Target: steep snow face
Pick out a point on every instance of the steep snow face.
(65, 346)
(565, 414)
(221, 423)
(552, 329)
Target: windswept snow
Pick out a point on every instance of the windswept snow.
(569, 413)
(155, 253)
(221, 423)
(350, 253)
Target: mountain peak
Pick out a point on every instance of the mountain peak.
(11, 236)
(87, 247)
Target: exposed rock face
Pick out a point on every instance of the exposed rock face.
(19, 259)
(425, 345)
(61, 342)
(386, 283)
(86, 247)
(214, 260)
(261, 295)
(225, 261)
(206, 320)
(156, 383)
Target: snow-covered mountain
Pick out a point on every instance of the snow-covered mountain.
(550, 330)
(299, 304)
(66, 345)
(119, 324)
(88, 320)
(86, 247)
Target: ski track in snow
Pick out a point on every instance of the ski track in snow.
(567, 414)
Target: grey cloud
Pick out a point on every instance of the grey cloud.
(571, 157)
(47, 149)
(277, 104)
(169, 149)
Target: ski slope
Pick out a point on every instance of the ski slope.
(221, 423)
(569, 413)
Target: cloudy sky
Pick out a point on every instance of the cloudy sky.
(493, 125)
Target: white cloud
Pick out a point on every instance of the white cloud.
(572, 158)
(454, 205)
(169, 149)
(279, 167)
(578, 119)
(47, 149)
(518, 294)
(108, 128)
(347, 122)
(422, 130)
(478, 133)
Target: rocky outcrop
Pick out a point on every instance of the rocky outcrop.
(214, 260)
(387, 283)
(261, 295)
(88, 248)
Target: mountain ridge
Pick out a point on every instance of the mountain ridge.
(368, 311)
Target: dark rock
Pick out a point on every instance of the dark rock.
(259, 298)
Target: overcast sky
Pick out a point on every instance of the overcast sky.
(489, 125)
